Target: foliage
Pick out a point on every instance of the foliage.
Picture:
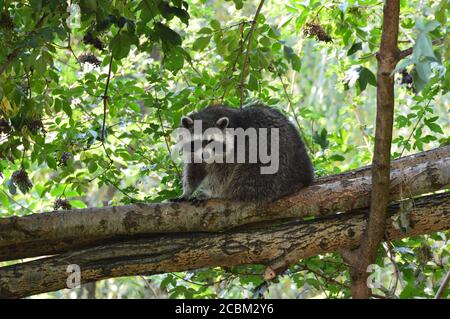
(89, 98)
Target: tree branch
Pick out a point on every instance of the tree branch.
(275, 246)
(57, 232)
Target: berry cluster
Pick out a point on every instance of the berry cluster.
(62, 203)
(316, 30)
(94, 41)
(65, 157)
(89, 58)
(5, 21)
(21, 180)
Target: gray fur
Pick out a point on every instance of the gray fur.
(244, 182)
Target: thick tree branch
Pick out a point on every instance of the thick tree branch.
(275, 246)
(57, 232)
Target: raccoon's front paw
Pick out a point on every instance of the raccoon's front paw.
(198, 201)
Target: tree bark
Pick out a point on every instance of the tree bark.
(58, 232)
(275, 246)
(388, 57)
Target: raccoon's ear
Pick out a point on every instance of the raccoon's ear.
(187, 122)
(222, 122)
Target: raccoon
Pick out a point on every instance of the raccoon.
(214, 175)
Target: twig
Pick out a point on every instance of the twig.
(105, 98)
(167, 142)
(294, 114)
(200, 283)
(149, 287)
(16, 202)
(69, 46)
(242, 40)
(365, 136)
(403, 54)
(414, 129)
(391, 256)
(444, 284)
(247, 53)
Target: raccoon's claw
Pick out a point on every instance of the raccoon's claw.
(198, 201)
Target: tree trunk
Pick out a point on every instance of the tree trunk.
(388, 57)
(275, 246)
(58, 232)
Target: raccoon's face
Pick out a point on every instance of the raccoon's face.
(210, 137)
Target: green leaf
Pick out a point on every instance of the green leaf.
(288, 52)
(167, 35)
(296, 62)
(51, 162)
(423, 70)
(77, 203)
(434, 127)
(441, 12)
(201, 43)
(253, 83)
(205, 30)
(92, 166)
(337, 157)
(366, 77)
(215, 24)
(174, 60)
(423, 47)
(238, 4)
(4, 199)
(354, 48)
(119, 46)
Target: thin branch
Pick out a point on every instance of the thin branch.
(247, 53)
(242, 40)
(444, 284)
(403, 54)
(294, 115)
(105, 98)
(414, 129)
(69, 46)
(16, 202)
(167, 143)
